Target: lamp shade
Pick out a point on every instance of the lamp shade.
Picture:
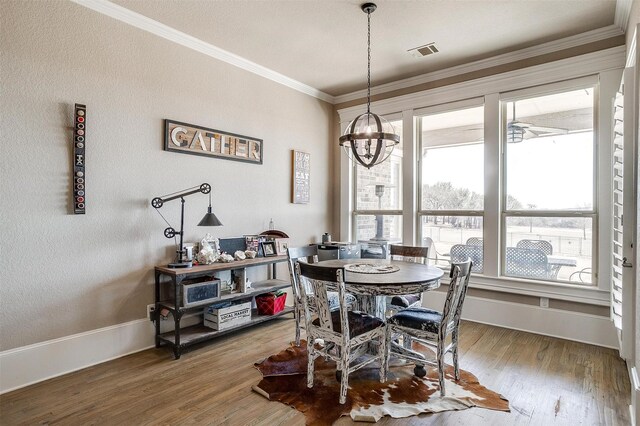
(514, 134)
(210, 219)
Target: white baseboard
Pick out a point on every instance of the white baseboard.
(31, 364)
(576, 326)
(635, 395)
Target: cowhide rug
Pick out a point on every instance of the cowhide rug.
(403, 395)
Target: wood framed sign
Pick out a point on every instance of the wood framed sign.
(301, 177)
(191, 139)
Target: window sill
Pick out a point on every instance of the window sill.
(581, 294)
(590, 295)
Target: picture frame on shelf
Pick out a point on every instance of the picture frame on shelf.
(253, 242)
(282, 244)
(269, 248)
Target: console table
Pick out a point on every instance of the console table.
(169, 296)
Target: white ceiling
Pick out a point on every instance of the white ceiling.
(322, 43)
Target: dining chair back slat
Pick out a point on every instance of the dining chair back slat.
(317, 301)
(307, 254)
(409, 253)
(460, 273)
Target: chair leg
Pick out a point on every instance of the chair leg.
(344, 380)
(454, 350)
(385, 344)
(297, 315)
(406, 341)
(440, 356)
(310, 363)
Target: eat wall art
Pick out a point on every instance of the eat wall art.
(301, 177)
(191, 139)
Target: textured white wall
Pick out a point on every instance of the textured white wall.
(64, 274)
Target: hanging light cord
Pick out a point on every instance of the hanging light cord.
(368, 62)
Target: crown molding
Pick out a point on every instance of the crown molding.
(122, 14)
(506, 58)
(564, 69)
(623, 12)
(161, 30)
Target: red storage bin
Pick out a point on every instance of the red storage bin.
(270, 304)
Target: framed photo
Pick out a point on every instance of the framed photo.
(253, 242)
(269, 248)
(281, 245)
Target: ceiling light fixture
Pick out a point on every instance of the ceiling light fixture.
(369, 138)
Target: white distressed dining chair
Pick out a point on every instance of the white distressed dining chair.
(307, 254)
(432, 328)
(342, 331)
(407, 254)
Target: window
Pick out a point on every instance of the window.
(514, 179)
(378, 197)
(451, 168)
(549, 212)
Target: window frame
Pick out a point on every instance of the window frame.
(538, 91)
(418, 114)
(606, 66)
(355, 212)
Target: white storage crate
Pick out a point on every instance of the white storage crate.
(228, 317)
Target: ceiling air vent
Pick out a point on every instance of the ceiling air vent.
(427, 49)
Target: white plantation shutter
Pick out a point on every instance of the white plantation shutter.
(618, 186)
(624, 193)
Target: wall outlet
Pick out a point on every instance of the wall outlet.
(544, 302)
(151, 311)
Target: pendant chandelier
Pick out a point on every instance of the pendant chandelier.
(369, 138)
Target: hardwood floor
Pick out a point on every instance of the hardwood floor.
(547, 381)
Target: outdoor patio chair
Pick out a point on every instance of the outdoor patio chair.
(474, 241)
(585, 271)
(462, 252)
(342, 331)
(527, 263)
(546, 248)
(432, 328)
(436, 256)
(543, 245)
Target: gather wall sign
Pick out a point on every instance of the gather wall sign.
(187, 138)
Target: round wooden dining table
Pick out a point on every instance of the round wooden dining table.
(393, 278)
